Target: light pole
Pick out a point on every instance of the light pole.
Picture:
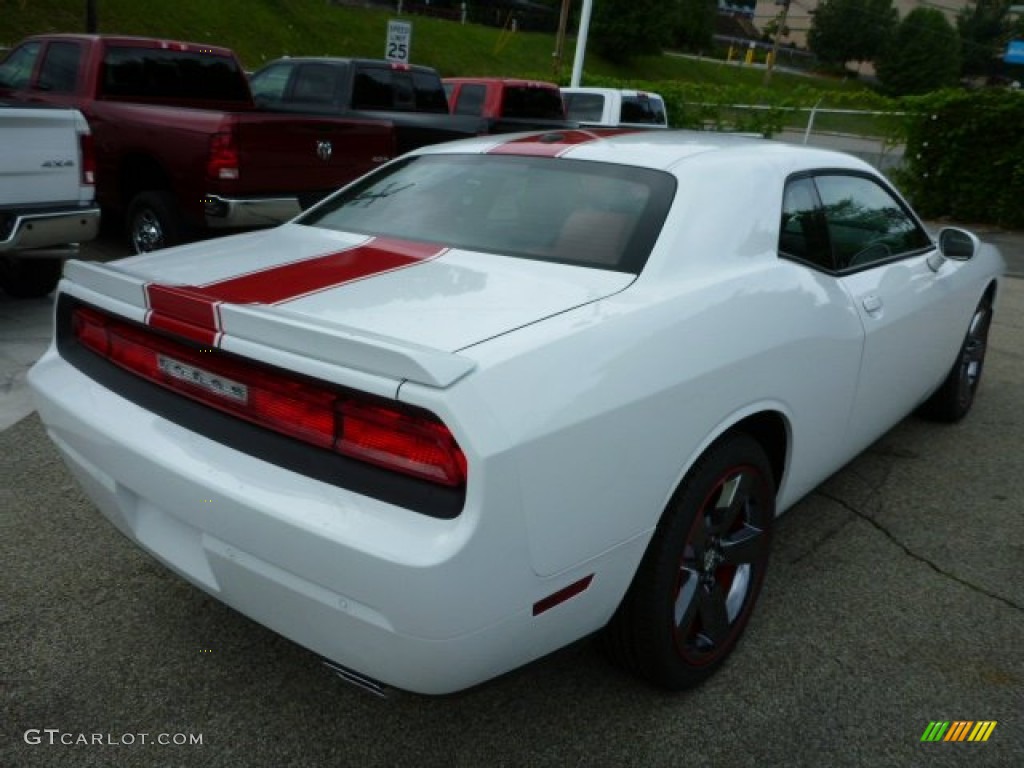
(581, 43)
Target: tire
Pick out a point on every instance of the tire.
(29, 278)
(954, 398)
(154, 222)
(698, 582)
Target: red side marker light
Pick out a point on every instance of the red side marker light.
(559, 597)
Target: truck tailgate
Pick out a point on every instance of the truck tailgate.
(44, 169)
(287, 152)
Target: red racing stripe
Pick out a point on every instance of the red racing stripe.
(554, 143)
(193, 311)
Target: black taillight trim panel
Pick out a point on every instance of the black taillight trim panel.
(259, 442)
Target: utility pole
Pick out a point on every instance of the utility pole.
(563, 21)
(775, 42)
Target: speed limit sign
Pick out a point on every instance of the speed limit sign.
(399, 41)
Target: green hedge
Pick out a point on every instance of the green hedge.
(965, 156)
(707, 105)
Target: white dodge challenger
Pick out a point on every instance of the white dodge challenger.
(501, 394)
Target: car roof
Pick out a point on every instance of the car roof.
(660, 150)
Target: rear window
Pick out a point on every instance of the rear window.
(152, 74)
(522, 101)
(388, 89)
(642, 109)
(567, 211)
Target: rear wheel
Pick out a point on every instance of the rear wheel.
(29, 278)
(952, 401)
(154, 222)
(700, 577)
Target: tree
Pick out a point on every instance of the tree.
(851, 30)
(923, 55)
(623, 29)
(695, 24)
(984, 29)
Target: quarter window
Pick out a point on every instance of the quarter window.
(803, 235)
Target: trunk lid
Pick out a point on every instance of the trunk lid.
(348, 299)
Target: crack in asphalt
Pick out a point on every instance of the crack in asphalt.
(914, 555)
(819, 542)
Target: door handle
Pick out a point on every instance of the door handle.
(872, 303)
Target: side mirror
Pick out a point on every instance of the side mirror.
(956, 244)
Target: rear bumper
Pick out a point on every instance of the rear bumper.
(49, 229)
(421, 604)
(238, 213)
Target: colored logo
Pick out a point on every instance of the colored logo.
(958, 730)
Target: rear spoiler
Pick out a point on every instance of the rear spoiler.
(245, 328)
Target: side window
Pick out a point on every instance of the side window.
(471, 100)
(866, 224)
(59, 73)
(269, 84)
(16, 70)
(802, 235)
(315, 84)
(584, 107)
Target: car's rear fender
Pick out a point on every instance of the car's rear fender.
(605, 407)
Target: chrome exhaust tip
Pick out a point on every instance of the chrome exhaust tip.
(363, 682)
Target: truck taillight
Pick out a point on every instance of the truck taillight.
(87, 149)
(222, 162)
(380, 432)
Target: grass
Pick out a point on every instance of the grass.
(262, 30)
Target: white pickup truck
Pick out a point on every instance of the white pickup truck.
(47, 192)
(615, 108)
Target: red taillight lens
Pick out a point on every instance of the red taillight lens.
(387, 435)
(399, 440)
(222, 162)
(87, 148)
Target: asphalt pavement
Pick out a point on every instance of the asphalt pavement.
(895, 598)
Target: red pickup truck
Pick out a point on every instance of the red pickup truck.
(180, 144)
(508, 104)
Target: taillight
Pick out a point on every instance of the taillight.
(398, 440)
(87, 149)
(222, 162)
(383, 433)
